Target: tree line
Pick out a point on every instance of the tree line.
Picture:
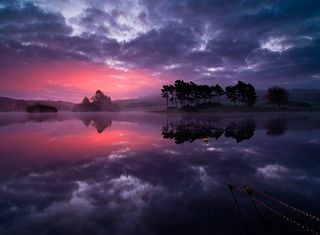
(186, 94)
(191, 94)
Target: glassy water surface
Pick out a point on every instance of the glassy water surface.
(143, 173)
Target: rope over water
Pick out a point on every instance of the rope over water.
(250, 193)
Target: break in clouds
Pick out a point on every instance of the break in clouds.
(265, 43)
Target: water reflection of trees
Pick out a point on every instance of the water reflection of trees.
(276, 126)
(242, 130)
(188, 131)
(100, 123)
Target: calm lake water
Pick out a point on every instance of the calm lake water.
(140, 173)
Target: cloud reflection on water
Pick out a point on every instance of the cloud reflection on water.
(66, 178)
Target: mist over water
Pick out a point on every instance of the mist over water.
(144, 173)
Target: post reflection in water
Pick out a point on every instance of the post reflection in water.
(140, 173)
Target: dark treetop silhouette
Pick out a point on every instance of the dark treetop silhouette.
(277, 95)
(244, 93)
(98, 102)
(190, 94)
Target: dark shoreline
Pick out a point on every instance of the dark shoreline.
(242, 110)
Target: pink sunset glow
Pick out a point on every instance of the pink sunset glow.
(77, 141)
(65, 50)
(71, 81)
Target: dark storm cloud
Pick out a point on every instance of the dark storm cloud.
(28, 33)
(30, 19)
(264, 42)
(160, 47)
(98, 21)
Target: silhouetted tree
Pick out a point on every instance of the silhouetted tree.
(242, 92)
(181, 91)
(194, 91)
(277, 95)
(251, 95)
(173, 96)
(218, 90)
(98, 102)
(165, 93)
(169, 93)
(190, 93)
(86, 101)
(231, 93)
(207, 93)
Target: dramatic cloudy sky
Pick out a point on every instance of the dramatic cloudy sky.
(66, 49)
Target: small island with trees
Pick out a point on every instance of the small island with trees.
(98, 102)
(189, 96)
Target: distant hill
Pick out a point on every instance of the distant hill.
(310, 96)
(19, 105)
(149, 101)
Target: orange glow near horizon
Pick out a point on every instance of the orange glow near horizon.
(60, 80)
